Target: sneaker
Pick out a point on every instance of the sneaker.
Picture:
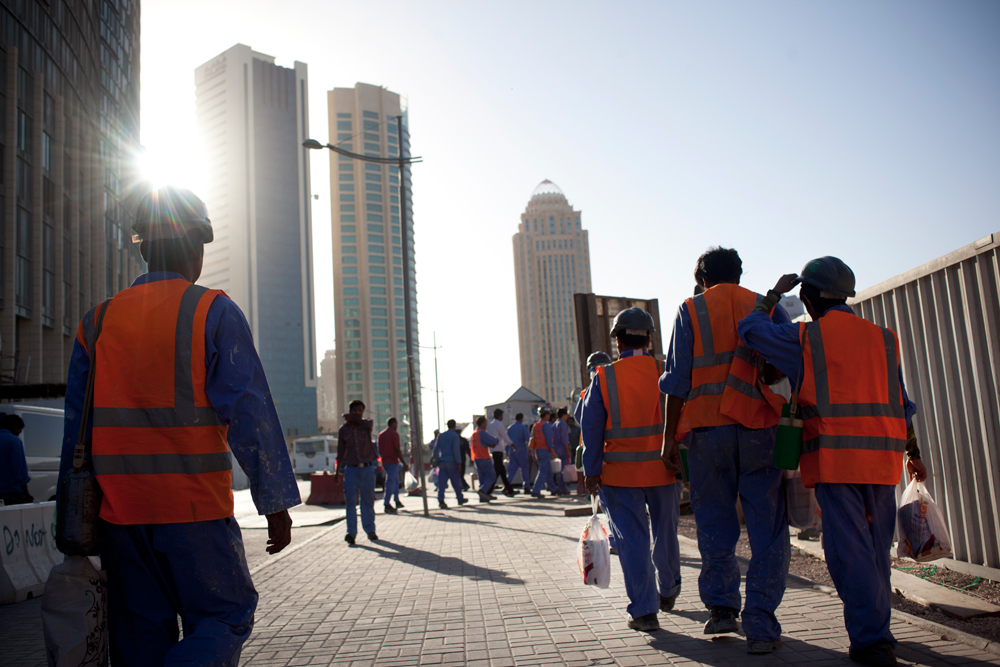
(761, 647)
(443, 505)
(879, 654)
(667, 604)
(389, 509)
(491, 496)
(349, 538)
(372, 536)
(723, 620)
(647, 623)
(463, 501)
(399, 505)
(537, 496)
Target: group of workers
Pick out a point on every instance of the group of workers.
(729, 351)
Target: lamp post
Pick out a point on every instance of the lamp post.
(416, 435)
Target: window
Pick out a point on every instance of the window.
(380, 321)
(376, 259)
(344, 125)
(343, 115)
(396, 240)
(401, 365)
(371, 166)
(347, 228)
(353, 333)
(373, 177)
(347, 187)
(373, 187)
(376, 280)
(371, 125)
(348, 238)
(346, 177)
(391, 136)
(353, 387)
(372, 147)
(380, 343)
(380, 354)
(394, 179)
(376, 238)
(350, 281)
(347, 218)
(347, 197)
(350, 270)
(346, 167)
(380, 333)
(353, 376)
(353, 365)
(351, 291)
(376, 248)
(371, 137)
(344, 136)
(375, 228)
(350, 302)
(378, 290)
(400, 312)
(349, 249)
(374, 217)
(373, 207)
(351, 312)
(377, 301)
(373, 197)
(377, 269)
(400, 324)
(369, 114)
(382, 375)
(347, 208)
(383, 386)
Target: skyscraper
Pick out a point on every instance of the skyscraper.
(69, 136)
(368, 253)
(253, 117)
(551, 263)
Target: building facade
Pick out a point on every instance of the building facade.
(253, 117)
(369, 299)
(326, 394)
(551, 264)
(69, 137)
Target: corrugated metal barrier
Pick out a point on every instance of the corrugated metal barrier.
(947, 315)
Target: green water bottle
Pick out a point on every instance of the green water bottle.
(788, 438)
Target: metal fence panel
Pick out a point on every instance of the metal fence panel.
(947, 316)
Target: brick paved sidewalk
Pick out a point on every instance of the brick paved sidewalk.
(497, 585)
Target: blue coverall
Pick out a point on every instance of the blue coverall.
(487, 473)
(858, 519)
(544, 479)
(518, 453)
(648, 573)
(560, 443)
(448, 450)
(196, 570)
(727, 462)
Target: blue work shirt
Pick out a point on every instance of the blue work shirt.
(595, 419)
(547, 432)
(236, 388)
(560, 437)
(486, 439)
(779, 345)
(676, 378)
(13, 466)
(448, 447)
(519, 435)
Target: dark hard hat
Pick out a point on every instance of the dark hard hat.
(598, 359)
(830, 275)
(171, 213)
(633, 321)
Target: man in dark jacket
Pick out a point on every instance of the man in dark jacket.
(357, 459)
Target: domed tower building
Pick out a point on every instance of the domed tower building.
(551, 264)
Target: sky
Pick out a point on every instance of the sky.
(787, 130)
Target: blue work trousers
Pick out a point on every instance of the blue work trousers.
(648, 573)
(391, 482)
(487, 474)
(197, 571)
(727, 462)
(858, 525)
(564, 457)
(448, 472)
(544, 477)
(360, 481)
(519, 461)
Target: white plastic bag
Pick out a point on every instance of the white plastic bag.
(800, 503)
(594, 558)
(75, 614)
(556, 465)
(921, 530)
(569, 474)
(411, 482)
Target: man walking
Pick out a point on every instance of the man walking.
(481, 444)
(14, 476)
(541, 452)
(518, 451)
(356, 461)
(560, 444)
(392, 457)
(178, 385)
(622, 437)
(497, 430)
(448, 451)
(727, 458)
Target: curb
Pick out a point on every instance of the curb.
(946, 632)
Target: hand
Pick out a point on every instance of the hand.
(671, 455)
(406, 468)
(785, 283)
(915, 469)
(279, 531)
(593, 483)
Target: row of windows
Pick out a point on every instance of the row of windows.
(565, 224)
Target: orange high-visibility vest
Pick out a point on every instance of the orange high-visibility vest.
(160, 451)
(852, 402)
(746, 399)
(479, 451)
(714, 315)
(633, 432)
(538, 439)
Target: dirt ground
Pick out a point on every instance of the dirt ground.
(814, 569)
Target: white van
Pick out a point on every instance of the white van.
(314, 454)
(43, 438)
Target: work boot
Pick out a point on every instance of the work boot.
(442, 505)
(761, 646)
(667, 604)
(646, 623)
(389, 509)
(537, 496)
(613, 551)
(879, 654)
(372, 536)
(811, 533)
(509, 493)
(484, 497)
(723, 620)
(491, 496)
(465, 486)
(463, 501)
(349, 538)
(399, 505)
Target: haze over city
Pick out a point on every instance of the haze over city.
(785, 130)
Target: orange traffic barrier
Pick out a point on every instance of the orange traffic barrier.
(325, 489)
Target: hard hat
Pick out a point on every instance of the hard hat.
(171, 213)
(830, 275)
(597, 359)
(633, 321)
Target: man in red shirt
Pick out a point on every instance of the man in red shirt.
(392, 456)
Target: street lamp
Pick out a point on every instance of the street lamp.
(416, 436)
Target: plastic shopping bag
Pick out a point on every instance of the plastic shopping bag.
(594, 558)
(411, 482)
(800, 503)
(921, 530)
(569, 474)
(75, 614)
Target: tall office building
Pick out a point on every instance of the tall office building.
(551, 264)
(69, 135)
(253, 117)
(368, 253)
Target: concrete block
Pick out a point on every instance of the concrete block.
(955, 604)
(17, 578)
(36, 535)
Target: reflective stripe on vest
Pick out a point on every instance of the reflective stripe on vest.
(746, 399)
(851, 443)
(160, 451)
(633, 432)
